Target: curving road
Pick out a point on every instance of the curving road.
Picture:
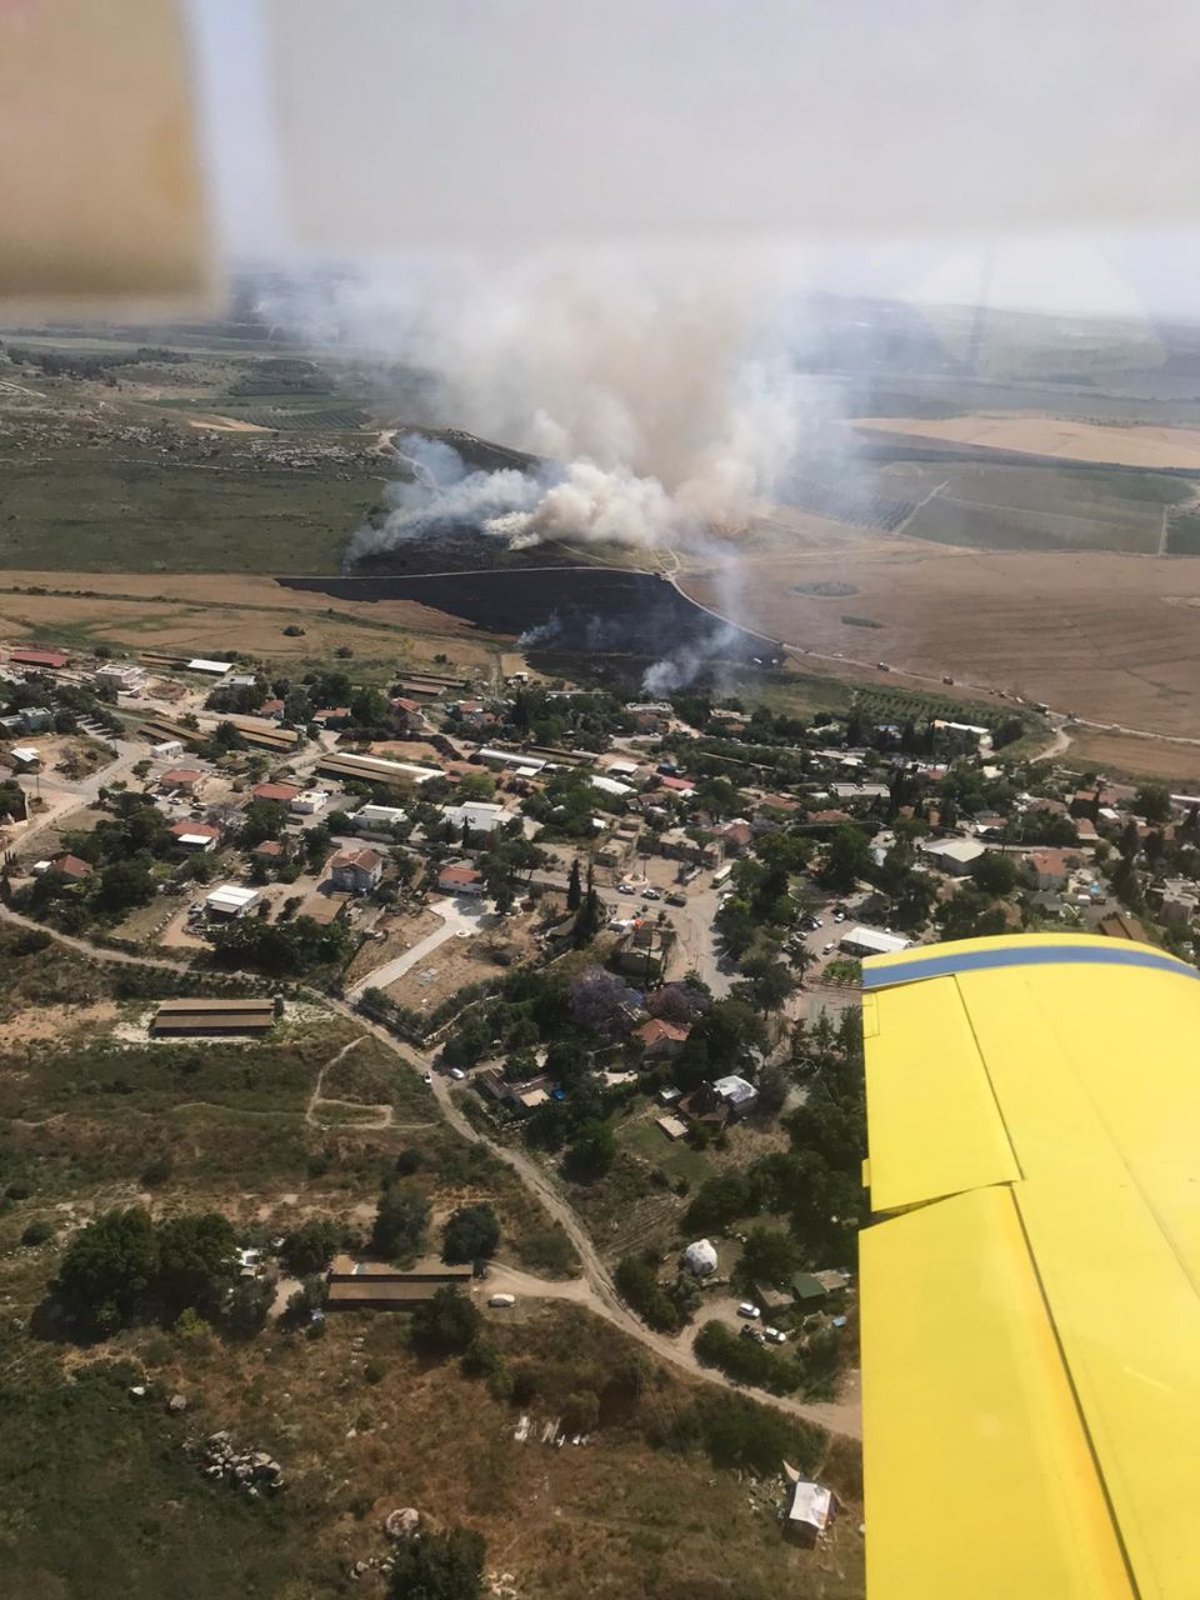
(596, 1289)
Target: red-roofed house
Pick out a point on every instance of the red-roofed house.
(357, 871)
(661, 1040)
(735, 836)
(270, 850)
(185, 778)
(459, 879)
(681, 786)
(282, 793)
(68, 866)
(408, 717)
(828, 818)
(199, 836)
(336, 717)
(272, 709)
(1051, 868)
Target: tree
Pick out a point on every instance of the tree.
(600, 1002)
(574, 888)
(439, 1566)
(471, 1234)
(125, 884)
(591, 1152)
(310, 1247)
(1153, 801)
(769, 1256)
(995, 873)
(197, 1262)
(448, 1324)
(770, 983)
(847, 859)
(400, 1222)
(108, 1269)
(249, 1306)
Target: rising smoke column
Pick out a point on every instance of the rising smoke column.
(657, 391)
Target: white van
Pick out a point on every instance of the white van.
(502, 1301)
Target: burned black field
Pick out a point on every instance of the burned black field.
(580, 611)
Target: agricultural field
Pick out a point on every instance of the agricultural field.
(1113, 638)
(183, 459)
(1117, 443)
(192, 613)
(1036, 507)
(1122, 755)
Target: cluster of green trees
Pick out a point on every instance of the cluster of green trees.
(123, 1267)
(664, 1307)
(280, 949)
(817, 1183)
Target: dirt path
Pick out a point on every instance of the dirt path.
(94, 952)
(596, 1289)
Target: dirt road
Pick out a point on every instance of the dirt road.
(596, 1288)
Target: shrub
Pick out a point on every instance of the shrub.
(38, 1233)
(471, 1234)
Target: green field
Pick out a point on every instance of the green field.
(82, 511)
(1006, 507)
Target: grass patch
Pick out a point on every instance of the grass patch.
(100, 1500)
(80, 511)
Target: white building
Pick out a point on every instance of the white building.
(231, 900)
(124, 676)
(25, 755)
(215, 669)
(860, 941)
(480, 816)
(611, 786)
(310, 801)
(740, 1096)
(168, 749)
(955, 856)
(369, 819)
(517, 759)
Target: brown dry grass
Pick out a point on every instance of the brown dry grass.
(1135, 446)
(197, 612)
(617, 1520)
(1109, 637)
(1122, 755)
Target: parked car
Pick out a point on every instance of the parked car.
(749, 1310)
(457, 1072)
(676, 899)
(652, 894)
(502, 1301)
(427, 1079)
(839, 916)
(626, 888)
(827, 949)
(775, 1335)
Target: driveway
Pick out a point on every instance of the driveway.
(457, 917)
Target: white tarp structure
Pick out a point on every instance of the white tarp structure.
(700, 1258)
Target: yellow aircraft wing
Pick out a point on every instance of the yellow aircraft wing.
(1030, 1306)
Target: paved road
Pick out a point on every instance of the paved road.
(457, 917)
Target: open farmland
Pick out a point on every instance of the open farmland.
(1123, 755)
(1036, 507)
(207, 613)
(1112, 638)
(1059, 437)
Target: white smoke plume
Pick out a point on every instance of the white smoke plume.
(658, 395)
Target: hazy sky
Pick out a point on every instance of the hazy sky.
(913, 151)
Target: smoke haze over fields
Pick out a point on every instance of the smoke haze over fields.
(656, 392)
